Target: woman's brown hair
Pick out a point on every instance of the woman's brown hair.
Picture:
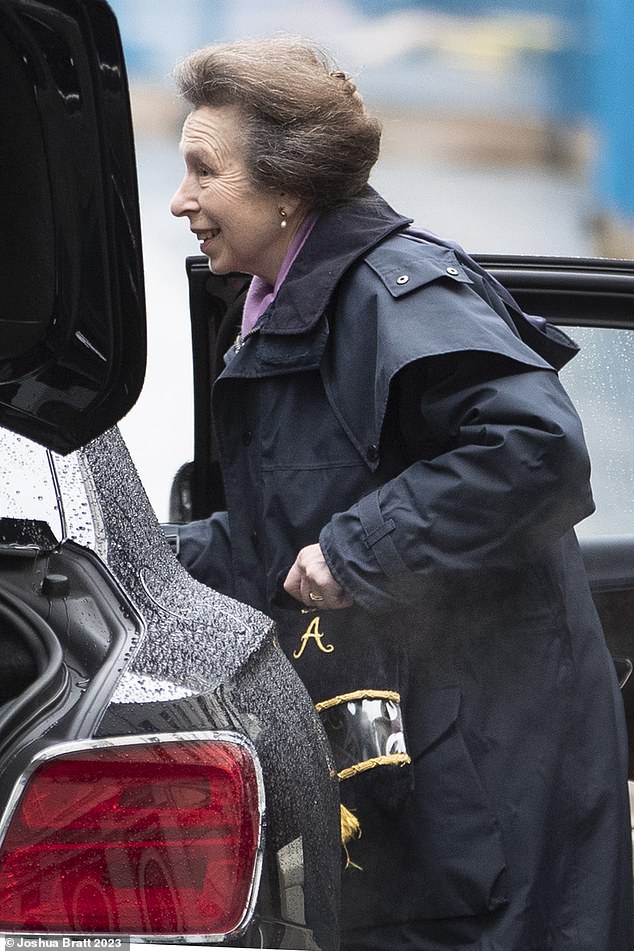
(307, 131)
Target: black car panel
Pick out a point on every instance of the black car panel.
(72, 317)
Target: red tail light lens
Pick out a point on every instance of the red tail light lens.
(159, 836)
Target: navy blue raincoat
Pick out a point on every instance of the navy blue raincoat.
(395, 405)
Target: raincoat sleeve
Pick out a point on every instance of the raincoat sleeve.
(205, 551)
(499, 471)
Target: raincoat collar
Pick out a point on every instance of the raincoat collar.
(339, 238)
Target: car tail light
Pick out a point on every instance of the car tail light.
(134, 835)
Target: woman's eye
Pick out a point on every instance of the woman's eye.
(204, 171)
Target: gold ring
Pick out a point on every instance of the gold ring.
(315, 597)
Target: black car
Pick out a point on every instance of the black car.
(162, 772)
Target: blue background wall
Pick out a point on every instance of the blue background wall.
(613, 102)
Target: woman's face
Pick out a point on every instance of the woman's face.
(237, 224)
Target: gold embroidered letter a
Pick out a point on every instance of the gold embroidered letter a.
(312, 633)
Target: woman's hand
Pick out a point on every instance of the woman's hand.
(311, 582)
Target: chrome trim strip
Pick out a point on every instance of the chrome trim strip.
(75, 746)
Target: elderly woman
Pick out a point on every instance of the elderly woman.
(403, 471)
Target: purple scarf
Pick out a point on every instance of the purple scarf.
(260, 293)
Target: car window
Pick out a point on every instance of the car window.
(599, 381)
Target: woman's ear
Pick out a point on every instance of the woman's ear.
(291, 203)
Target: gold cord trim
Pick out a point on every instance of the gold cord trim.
(358, 695)
(393, 759)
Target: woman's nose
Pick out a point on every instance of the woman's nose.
(183, 202)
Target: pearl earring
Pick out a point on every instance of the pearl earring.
(283, 222)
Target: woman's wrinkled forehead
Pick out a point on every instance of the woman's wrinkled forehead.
(216, 131)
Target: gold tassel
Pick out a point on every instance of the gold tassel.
(350, 829)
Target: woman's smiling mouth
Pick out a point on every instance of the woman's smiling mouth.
(205, 238)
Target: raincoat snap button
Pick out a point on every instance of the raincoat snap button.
(247, 436)
(403, 279)
(372, 453)
(453, 271)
